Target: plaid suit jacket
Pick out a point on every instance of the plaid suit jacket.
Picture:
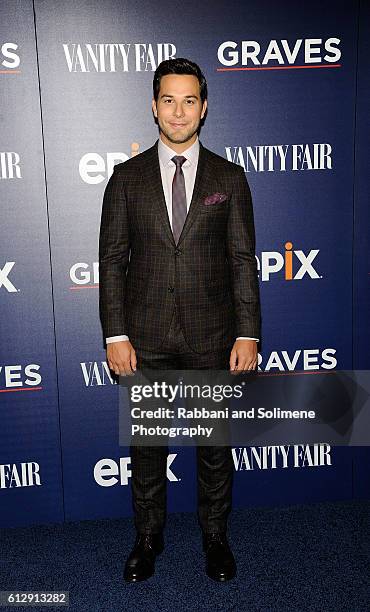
(211, 274)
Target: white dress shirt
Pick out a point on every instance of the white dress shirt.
(167, 168)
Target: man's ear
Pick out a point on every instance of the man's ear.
(154, 108)
(204, 108)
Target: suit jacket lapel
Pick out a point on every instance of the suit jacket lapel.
(153, 180)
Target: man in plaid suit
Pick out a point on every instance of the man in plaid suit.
(179, 289)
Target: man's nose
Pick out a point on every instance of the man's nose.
(179, 111)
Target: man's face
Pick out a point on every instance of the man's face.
(179, 109)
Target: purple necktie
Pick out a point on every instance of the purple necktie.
(179, 210)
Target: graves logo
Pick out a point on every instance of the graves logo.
(9, 60)
(13, 475)
(107, 472)
(84, 275)
(20, 378)
(300, 359)
(116, 57)
(279, 54)
(281, 457)
(282, 157)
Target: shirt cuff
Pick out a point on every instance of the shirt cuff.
(122, 338)
(116, 339)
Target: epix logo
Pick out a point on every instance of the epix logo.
(108, 472)
(5, 281)
(95, 168)
(294, 264)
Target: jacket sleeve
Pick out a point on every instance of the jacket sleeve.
(241, 258)
(114, 254)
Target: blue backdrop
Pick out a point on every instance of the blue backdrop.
(287, 101)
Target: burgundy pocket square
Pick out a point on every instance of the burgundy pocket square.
(215, 198)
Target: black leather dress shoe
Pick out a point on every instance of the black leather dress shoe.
(141, 560)
(220, 562)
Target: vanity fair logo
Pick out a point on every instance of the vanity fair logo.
(96, 374)
(279, 54)
(9, 165)
(116, 57)
(15, 475)
(9, 60)
(275, 457)
(20, 377)
(282, 157)
(108, 472)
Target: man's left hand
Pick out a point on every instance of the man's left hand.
(243, 356)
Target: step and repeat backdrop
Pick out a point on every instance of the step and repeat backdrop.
(288, 91)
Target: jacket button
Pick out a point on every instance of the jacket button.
(171, 289)
(177, 252)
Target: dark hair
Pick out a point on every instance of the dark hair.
(179, 65)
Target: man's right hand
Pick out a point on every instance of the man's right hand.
(121, 358)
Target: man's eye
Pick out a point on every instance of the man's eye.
(190, 101)
(168, 101)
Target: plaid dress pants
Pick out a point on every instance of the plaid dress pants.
(149, 463)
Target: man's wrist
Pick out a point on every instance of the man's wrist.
(111, 339)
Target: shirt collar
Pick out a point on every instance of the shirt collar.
(165, 153)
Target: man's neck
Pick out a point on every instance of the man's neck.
(178, 147)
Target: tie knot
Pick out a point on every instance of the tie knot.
(178, 160)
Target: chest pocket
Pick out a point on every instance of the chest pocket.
(209, 209)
